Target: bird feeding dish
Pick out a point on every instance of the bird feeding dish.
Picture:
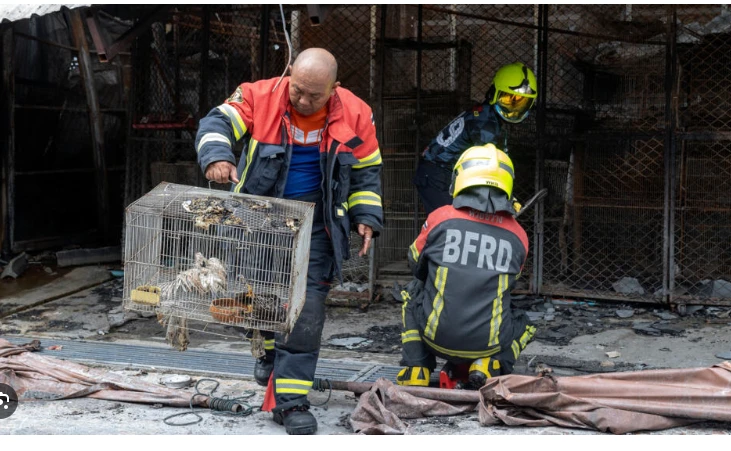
(229, 310)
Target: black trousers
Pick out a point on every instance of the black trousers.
(432, 182)
(417, 352)
(295, 356)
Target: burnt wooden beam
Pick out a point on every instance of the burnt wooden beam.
(107, 52)
(78, 35)
(7, 186)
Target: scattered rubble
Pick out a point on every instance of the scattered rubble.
(559, 321)
(645, 328)
(715, 288)
(625, 313)
(351, 342)
(628, 285)
(667, 316)
(15, 267)
(351, 287)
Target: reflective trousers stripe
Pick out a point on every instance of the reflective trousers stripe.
(293, 386)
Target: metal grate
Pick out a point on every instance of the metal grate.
(210, 256)
(197, 360)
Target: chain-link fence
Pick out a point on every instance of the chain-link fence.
(630, 134)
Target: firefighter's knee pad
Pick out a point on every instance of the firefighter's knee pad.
(414, 376)
(483, 369)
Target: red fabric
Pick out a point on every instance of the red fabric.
(261, 106)
(269, 401)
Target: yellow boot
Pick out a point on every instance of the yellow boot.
(414, 376)
(483, 369)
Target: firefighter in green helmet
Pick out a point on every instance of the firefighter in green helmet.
(465, 262)
(511, 96)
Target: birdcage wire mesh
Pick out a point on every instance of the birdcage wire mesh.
(212, 257)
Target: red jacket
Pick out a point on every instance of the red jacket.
(350, 158)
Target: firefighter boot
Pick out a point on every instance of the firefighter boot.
(296, 421)
(262, 369)
(483, 369)
(414, 376)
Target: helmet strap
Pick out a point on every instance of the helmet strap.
(490, 94)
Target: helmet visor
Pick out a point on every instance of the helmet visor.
(513, 106)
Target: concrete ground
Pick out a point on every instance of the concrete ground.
(92, 313)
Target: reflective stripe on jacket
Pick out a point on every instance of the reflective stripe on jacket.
(350, 158)
(469, 262)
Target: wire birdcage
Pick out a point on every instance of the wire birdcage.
(198, 257)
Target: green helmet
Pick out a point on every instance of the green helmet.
(513, 92)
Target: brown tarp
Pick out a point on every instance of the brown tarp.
(381, 409)
(609, 402)
(37, 377)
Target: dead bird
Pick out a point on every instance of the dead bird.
(286, 223)
(176, 333)
(206, 276)
(210, 211)
(258, 204)
(293, 224)
(202, 205)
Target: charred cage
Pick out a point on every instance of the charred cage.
(631, 133)
(214, 257)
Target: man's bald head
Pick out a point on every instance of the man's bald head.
(317, 60)
(313, 80)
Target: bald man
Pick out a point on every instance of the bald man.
(304, 138)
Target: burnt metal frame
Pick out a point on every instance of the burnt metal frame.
(671, 136)
(107, 52)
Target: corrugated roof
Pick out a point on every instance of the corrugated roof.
(11, 13)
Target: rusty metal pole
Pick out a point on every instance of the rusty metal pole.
(95, 121)
(417, 111)
(539, 214)
(669, 155)
(437, 394)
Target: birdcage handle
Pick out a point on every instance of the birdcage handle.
(211, 181)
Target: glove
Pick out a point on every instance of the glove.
(516, 205)
(399, 294)
(483, 369)
(414, 376)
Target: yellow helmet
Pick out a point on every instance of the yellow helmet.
(513, 92)
(483, 166)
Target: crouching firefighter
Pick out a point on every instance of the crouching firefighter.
(465, 261)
